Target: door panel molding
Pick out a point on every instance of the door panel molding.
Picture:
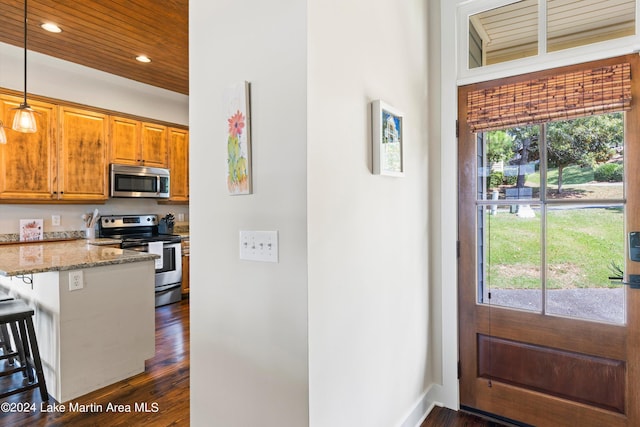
(561, 373)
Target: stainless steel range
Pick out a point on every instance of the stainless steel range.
(140, 233)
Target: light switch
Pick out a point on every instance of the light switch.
(259, 246)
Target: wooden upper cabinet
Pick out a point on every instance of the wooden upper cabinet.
(179, 164)
(28, 160)
(125, 141)
(138, 143)
(154, 145)
(82, 165)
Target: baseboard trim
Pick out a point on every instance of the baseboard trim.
(421, 408)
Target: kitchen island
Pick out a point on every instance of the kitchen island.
(94, 310)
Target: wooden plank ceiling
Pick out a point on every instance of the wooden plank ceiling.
(108, 35)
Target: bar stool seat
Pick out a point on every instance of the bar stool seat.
(19, 316)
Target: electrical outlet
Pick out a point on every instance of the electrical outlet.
(55, 220)
(259, 246)
(75, 280)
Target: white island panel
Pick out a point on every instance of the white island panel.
(94, 336)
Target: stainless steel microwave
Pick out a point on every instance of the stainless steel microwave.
(139, 181)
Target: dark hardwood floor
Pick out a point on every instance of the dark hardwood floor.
(163, 387)
(443, 417)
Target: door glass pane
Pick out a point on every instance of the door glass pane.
(584, 248)
(509, 250)
(572, 23)
(585, 158)
(508, 165)
(503, 34)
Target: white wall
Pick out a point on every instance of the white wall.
(369, 308)
(249, 319)
(358, 243)
(66, 81)
(54, 78)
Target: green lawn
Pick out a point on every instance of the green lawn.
(581, 245)
(570, 175)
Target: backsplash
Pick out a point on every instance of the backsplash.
(71, 222)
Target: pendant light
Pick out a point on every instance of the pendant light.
(24, 120)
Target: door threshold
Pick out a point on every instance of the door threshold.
(493, 417)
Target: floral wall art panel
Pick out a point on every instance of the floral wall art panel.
(238, 139)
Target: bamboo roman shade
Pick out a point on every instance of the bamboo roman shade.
(560, 97)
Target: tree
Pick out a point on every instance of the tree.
(585, 141)
(499, 146)
(526, 148)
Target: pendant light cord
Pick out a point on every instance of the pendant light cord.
(25, 53)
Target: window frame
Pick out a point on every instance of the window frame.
(543, 60)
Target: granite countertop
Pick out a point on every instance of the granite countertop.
(103, 241)
(29, 258)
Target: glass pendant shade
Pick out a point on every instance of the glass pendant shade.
(3, 135)
(24, 120)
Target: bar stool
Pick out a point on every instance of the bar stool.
(5, 340)
(19, 316)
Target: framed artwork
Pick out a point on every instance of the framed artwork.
(31, 229)
(388, 139)
(238, 139)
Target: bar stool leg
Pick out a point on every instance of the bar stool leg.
(5, 345)
(17, 339)
(25, 345)
(36, 359)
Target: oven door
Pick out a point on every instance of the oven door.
(171, 270)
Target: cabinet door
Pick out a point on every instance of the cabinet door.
(82, 163)
(179, 164)
(154, 145)
(185, 275)
(125, 141)
(27, 160)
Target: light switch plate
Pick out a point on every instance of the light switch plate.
(259, 245)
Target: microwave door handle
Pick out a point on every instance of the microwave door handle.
(158, 184)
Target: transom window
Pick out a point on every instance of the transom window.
(508, 30)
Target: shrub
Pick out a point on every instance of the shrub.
(609, 172)
(511, 179)
(495, 179)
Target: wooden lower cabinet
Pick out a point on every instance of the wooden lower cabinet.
(185, 268)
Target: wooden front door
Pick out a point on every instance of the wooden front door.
(548, 335)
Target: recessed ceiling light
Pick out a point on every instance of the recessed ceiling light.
(52, 28)
(143, 58)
